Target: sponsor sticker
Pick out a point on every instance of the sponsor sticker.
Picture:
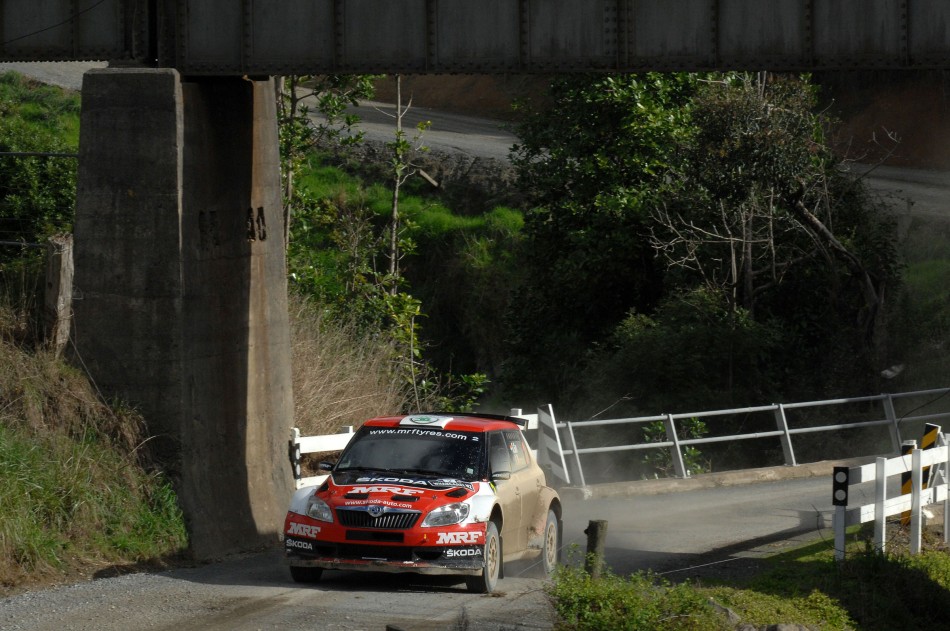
(423, 432)
(294, 544)
(383, 488)
(379, 502)
(455, 538)
(426, 419)
(441, 483)
(454, 553)
(303, 530)
(449, 483)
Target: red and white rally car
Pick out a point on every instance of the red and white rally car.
(428, 493)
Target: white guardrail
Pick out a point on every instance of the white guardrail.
(924, 471)
(784, 431)
(557, 449)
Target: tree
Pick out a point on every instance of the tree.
(401, 169)
(312, 110)
(336, 246)
(689, 200)
(593, 158)
(766, 217)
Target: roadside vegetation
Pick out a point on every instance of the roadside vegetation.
(870, 590)
(79, 495)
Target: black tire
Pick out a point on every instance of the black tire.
(550, 546)
(488, 579)
(305, 574)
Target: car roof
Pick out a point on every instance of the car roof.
(462, 422)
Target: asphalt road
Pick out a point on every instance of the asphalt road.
(671, 534)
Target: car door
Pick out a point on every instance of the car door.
(528, 483)
(507, 491)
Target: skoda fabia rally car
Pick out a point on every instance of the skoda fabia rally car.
(427, 493)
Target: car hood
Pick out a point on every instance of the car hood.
(409, 491)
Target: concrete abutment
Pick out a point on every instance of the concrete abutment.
(181, 306)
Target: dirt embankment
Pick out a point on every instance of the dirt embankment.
(900, 117)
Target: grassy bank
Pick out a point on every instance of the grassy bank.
(77, 495)
(870, 590)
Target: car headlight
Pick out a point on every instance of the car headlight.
(319, 510)
(447, 515)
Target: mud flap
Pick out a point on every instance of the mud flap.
(501, 557)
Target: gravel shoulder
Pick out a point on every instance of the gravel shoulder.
(255, 592)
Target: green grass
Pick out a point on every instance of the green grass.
(929, 284)
(67, 501)
(42, 107)
(429, 219)
(75, 489)
(806, 586)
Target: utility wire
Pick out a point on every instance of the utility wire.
(50, 28)
(37, 154)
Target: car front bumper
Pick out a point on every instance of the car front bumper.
(421, 560)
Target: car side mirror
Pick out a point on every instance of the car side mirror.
(500, 475)
(325, 466)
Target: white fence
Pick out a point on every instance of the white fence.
(784, 433)
(928, 470)
(559, 453)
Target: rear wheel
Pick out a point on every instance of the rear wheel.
(305, 574)
(550, 545)
(488, 579)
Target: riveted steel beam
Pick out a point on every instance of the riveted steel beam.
(265, 37)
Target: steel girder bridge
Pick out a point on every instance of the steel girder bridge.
(271, 37)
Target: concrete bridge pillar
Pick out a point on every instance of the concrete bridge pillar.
(181, 295)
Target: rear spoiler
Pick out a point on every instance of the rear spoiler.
(492, 417)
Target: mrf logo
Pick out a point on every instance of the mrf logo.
(394, 490)
(458, 537)
(303, 530)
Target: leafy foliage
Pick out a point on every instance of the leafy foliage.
(661, 460)
(339, 257)
(595, 160)
(685, 228)
(36, 192)
(695, 339)
(312, 110)
(639, 602)
(766, 218)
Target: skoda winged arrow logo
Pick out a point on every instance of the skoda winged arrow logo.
(375, 510)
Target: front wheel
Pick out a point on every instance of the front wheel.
(550, 545)
(488, 579)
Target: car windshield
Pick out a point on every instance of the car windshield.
(420, 451)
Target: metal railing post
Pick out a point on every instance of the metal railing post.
(679, 469)
(577, 456)
(782, 423)
(880, 497)
(917, 479)
(891, 415)
(946, 480)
